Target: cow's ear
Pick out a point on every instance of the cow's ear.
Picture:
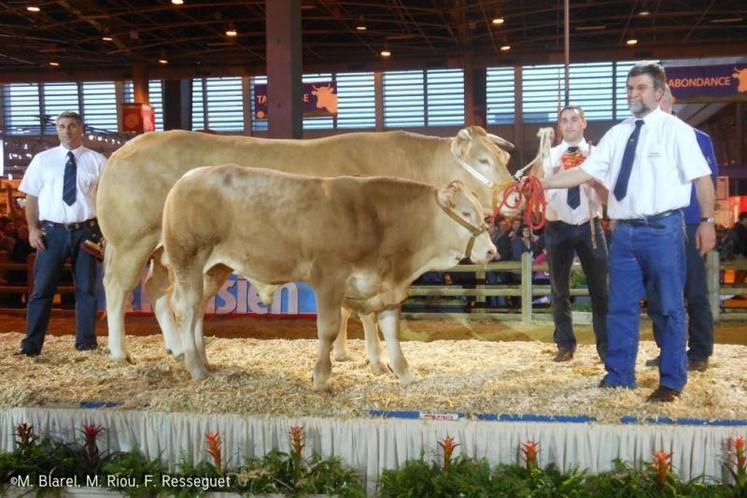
(460, 144)
(447, 195)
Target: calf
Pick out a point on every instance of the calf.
(359, 242)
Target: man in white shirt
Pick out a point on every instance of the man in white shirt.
(568, 232)
(649, 164)
(60, 186)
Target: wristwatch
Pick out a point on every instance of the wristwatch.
(708, 219)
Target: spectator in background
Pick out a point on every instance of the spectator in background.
(738, 237)
(500, 236)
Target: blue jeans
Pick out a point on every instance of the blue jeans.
(647, 257)
(61, 243)
(700, 317)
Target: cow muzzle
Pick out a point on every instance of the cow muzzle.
(475, 230)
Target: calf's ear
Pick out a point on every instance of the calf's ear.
(447, 195)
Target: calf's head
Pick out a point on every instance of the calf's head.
(472, 239)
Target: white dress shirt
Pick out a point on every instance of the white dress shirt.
(557, 199)
(667, 160)
(45, 176)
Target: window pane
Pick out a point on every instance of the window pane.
(21, 105)
(100, 105)
(59, 97)
(445, 97)
(501, 95)
(225, 108)
(155, 95)
(404, 99)
(356, 100)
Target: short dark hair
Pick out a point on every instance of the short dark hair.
(651, 68)
(70, 114)
(572, 108)
(742, 216)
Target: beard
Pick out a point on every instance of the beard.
(638, 108)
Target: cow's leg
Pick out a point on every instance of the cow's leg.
(341, 343)
(373, 346)
(329, 304)
(157, 286)
(212, 283)
(389, 323)
(123, 267)
(187, 301)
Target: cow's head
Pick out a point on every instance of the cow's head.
(488, 154)
(465, 218)
(741, 75)
(325, 98)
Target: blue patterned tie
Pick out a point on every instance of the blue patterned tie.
(68, 185)
(574, 193)
(621, 186)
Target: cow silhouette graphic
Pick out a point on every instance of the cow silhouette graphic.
(741, 75)
(325, 98)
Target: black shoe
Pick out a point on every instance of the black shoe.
(87, 347)
(30, 354)
(663, 394)
(653, 362)
(697, 365)
(563, 355)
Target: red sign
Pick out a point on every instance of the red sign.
(138, 118)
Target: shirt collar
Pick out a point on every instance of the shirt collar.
(76, 152)
(582, 145)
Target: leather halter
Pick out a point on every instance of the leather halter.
(475, 230)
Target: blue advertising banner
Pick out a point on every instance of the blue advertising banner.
(319, 99)
(236, 296)
(708, 83)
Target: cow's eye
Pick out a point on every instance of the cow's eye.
(484, 161)
(466, 214)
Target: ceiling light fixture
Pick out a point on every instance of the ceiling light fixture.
(644, 13)
(505, 48)
(107, 38)
(498, 21)
(361, 27)
(631, 41)
(54, 64)
(177, 2)
(231, 31)
(162, 59)
(33, 8)
(385, 53)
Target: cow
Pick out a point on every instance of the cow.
(741, 75)
(360, 242)
(325, 98)
(134, 184)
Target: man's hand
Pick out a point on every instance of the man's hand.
(705, 237)
(36, 239)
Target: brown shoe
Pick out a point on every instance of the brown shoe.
(653, 362)
(663, 394)
(563, 355)
(697, 365)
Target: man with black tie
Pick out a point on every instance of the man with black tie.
(568, 232)
(60, 186)
(649, 163)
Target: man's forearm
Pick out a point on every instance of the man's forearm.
(567, 179)
(706, 195)
(32, 211)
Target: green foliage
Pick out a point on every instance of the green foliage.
(131, 467)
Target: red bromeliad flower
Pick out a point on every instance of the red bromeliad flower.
(739, 446)
(662, 464)
(448, 446)
(297, 440)
(530, 450)
(25, 433)
(214, 448)
(91, 433)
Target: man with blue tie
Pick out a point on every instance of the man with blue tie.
(570, 213)
(60, 186)
(649, 163)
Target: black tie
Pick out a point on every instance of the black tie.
(574, 193)
(621, 186)
(68, 185)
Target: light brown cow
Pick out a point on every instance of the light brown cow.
(138, 176)
(360, 242)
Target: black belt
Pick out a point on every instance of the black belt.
(71, 226)
(650, 221)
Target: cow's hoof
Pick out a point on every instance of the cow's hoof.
(407, 379)
(380, 368)
(199, 374)
(325, 389)
(121, 357)
(342, 356)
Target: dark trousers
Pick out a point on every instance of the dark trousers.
(562, 242)
(61, 243)
(700, 317)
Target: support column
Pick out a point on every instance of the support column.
(475, 96)
(141, 94)
(177, 105)
(284, 66)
